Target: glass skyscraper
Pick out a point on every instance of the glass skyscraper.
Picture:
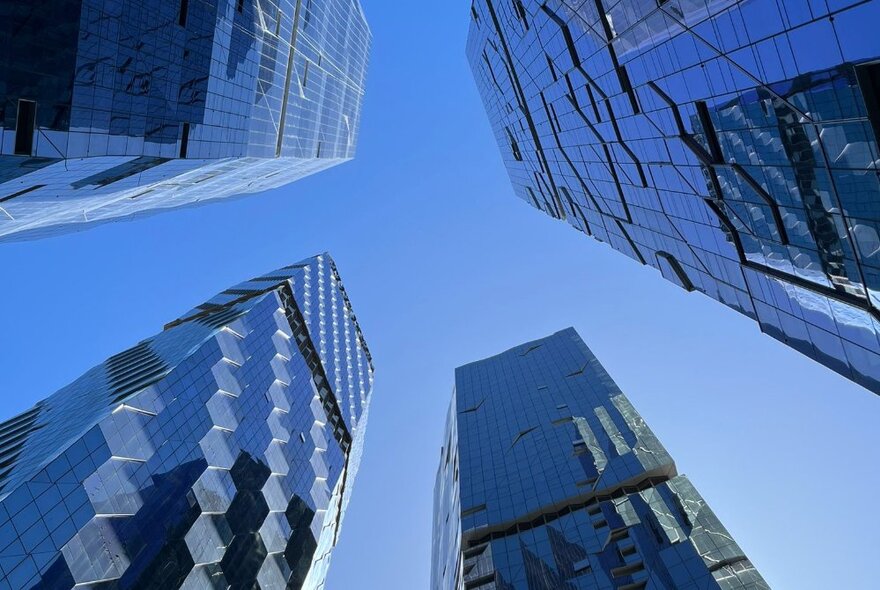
(220, 453)
(550, 480)
(113, 108)
(731, 145)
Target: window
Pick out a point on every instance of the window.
(307, 16)
(141, 194)
(869, 80)
(184, 8)
(24, 127)
(582, 567)
(626, 85)
(473, 510)
(484, 581)
(21, 192)
(522, 434)
(132, 370)
(678, 271)
(121, 172)
(514, 146)
(240, 6)
(184, 140)
(521, 13)
(552, 68)
(305, 79)
(709, 132)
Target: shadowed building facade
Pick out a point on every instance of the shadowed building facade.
(116, 108)
(550, 480)
(730, 145)
(220, 453)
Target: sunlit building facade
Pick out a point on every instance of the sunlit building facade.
(550, 480)
(220, 453)
(730, 145)
(117, 108)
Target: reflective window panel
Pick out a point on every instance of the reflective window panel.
(220, 453)
(113, 108)
(550, 480)
(730, 145)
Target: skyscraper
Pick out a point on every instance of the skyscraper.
(550, 480)
(220, 453)
(123, 107)
(730, 145)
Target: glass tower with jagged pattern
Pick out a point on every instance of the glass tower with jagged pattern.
(114, 108)
(220, 453)
(730, 145)
(550, 480)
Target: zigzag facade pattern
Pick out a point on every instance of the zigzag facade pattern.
(219, 453)
(549, 479)
(129, 108)
(730, 145)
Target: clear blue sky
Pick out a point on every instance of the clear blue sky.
(445, 266)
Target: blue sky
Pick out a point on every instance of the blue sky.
(445, 266)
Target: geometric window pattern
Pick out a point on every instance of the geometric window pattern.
(126, 107)
(733, 146)
(219, 453)
(588, 500)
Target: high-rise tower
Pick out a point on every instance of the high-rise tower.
(220, 453)
(117, 108)
(730, 145)
(550, 480)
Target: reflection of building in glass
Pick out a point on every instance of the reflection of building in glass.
(115, 108)
(768, 140)
(218, 453)
(550, 480)
(730, 145)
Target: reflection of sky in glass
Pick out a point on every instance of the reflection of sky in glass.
(583, 496)
(202, 453)
(175, 106)
(728, 145)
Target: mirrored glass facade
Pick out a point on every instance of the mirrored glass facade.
(220, 453)
(550, 480)
(113, 108)
(731, 145)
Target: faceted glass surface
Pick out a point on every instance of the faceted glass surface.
(219, 453)
(115, 108)
(550, 480)
(730, 145)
